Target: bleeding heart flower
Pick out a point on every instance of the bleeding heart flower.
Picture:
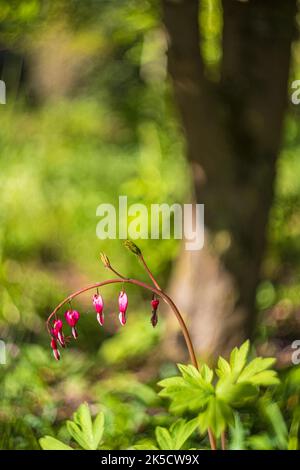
(72, 317)
(123, 303)
(99, 304)
(56, 352)
(57, 332)
(154, 317)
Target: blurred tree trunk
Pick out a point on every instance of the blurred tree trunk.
(233, 131)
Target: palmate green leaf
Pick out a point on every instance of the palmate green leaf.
(217, 416)
(86, 433)
(83, 418)
(186, 399)
(81, 428)
(236, 395)
(78, 436)
(50, 443)
(191, 391)
(238, 385)
(181, 431)
(177, 435)
(239, 382)
(238, 360)
(164, 438)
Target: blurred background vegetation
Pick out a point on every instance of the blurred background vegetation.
(90, 116)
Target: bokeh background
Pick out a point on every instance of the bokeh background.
(91, 115)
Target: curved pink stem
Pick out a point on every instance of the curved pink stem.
(156, 291)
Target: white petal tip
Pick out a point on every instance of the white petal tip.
(100, 319)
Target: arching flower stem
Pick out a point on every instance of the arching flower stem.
(158, 292)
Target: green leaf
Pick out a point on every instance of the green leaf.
(260, 442)
(238, 358)
(190, 373)
(50, 443)
(265, 379)
(239, 382)
(177, 435)
(224, 368)
(83, 418)
(78, 436)
(207, 373)
(216, 416)
(164, 439)
(98, 429)
(238, 386)
(276, 419)
(191, 391)
(86, 433)
(237, 434)
(236, 395)
(186, 396)
(294, 431)
(171, 382)
(256, 366)
(181, 431)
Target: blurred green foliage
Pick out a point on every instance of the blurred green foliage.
(266, 419)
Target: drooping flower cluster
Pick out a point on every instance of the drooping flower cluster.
(72, 317)
(57, 335)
